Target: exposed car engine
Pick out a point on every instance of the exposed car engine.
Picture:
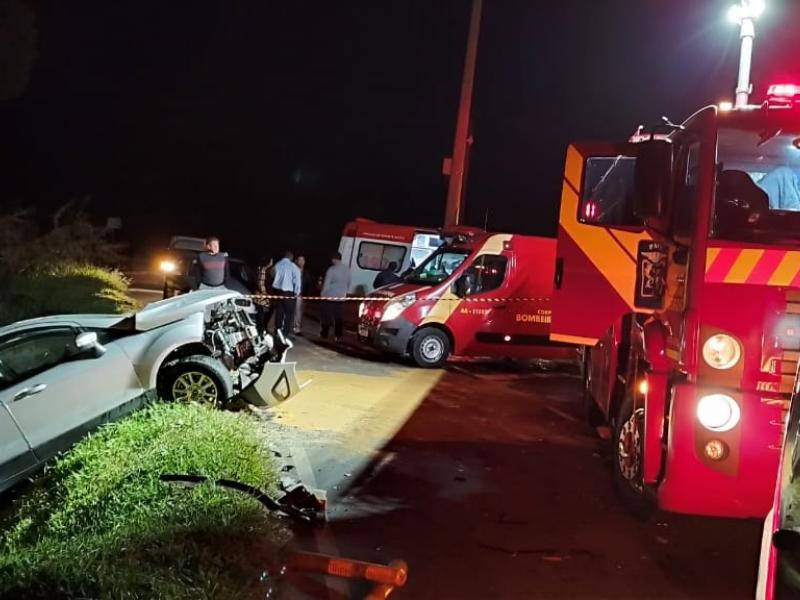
(234, 340)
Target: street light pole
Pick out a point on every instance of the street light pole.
(743, 88)
(455, 190)
(745, 14)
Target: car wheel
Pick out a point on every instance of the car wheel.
(430, 348)
(199, 379)
(594, 416)
(628, 459)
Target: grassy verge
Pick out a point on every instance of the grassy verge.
(99, 524)
(63, 288)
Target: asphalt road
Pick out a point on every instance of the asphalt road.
(488, 483)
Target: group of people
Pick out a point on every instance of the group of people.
(280, 289)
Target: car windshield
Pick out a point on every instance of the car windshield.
(758, 187)
(438, 267)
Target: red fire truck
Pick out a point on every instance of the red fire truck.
(480, 294)
(678, 268)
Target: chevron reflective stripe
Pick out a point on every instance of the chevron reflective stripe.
(753, 266)
(612, 252)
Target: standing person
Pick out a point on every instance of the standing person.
(305, 286)
(335, 285)
(265, 306)
(286, 283)
(210, 269)
(387, 276)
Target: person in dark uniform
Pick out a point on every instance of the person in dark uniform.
(387, 276)
(210, 268)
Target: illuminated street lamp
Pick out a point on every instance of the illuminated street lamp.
(745, 15)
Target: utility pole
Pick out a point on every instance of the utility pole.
(455, 190)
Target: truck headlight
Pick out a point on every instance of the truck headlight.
(721, 351)
(167, 266)
(718, 412)
(394, 308)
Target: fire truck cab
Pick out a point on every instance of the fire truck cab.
(678, 269)
(369, 247)
(480, 294)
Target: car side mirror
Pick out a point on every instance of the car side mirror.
(462, 287)
(87, 343)
(652, 179)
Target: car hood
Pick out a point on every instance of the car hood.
(398, 289)
(151, 316)
(175, 309)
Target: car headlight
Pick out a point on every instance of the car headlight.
(721, 351)
(718, 412)
(167, 266)
(394, 308)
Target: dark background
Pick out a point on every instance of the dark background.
(272, 124)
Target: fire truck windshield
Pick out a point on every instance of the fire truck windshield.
(758, 185)
(438, 267)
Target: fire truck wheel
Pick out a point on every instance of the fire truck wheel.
(430, 347)
(594, 416)
(628, 453)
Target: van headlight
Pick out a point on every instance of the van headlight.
(395, 307)
(718, 412)
(721, 351)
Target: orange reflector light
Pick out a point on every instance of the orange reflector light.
(716, 450)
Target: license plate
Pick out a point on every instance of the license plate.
(363, 331)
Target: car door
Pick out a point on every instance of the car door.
(475, 324)
(16, 456)
(60, 393)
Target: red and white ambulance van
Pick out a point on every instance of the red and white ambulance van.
(368, 247)
(479, 294)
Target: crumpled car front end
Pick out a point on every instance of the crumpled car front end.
(257, 362)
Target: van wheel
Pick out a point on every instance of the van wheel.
(430, 348)
(628, 459)
(200, 379)
(594, 416)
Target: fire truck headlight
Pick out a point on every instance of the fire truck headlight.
(396, 307)
(721, 351)
(718, 412)
(167, 266)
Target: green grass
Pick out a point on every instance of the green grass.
(63, 288)
(99, 523)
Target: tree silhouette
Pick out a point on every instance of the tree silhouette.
(18, 40)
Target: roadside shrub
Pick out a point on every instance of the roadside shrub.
(99, 523)
(63, 288)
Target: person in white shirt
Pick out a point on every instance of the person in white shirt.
(335, 285)
(286, 283)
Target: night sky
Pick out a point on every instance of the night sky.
(272, 124)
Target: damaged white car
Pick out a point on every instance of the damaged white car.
(63, 375)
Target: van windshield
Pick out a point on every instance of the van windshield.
(438, 267)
